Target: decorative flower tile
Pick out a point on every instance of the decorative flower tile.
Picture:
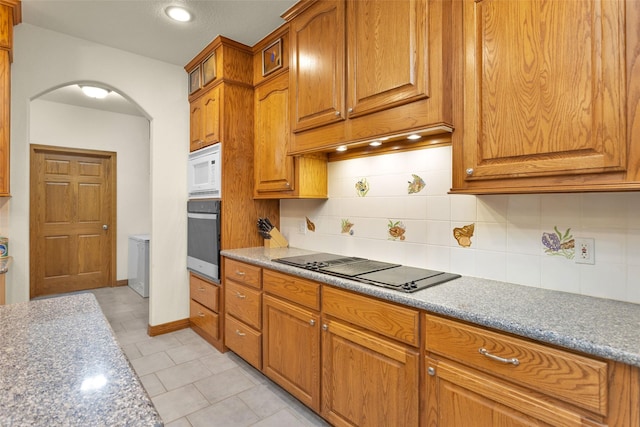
(362, 187)
(396, 230)
(346, 227)
(463, 235)
(559, 244)
(416, 185)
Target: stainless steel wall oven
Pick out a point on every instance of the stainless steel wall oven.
(203, 238)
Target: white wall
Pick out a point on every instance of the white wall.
(507, 241)
(63, 125)
(45, 60)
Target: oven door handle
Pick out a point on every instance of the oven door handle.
(202, 215)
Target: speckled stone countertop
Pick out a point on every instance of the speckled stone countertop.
(600, 327)
(60, 365)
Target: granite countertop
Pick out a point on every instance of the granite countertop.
(61, 365)
(599, 327)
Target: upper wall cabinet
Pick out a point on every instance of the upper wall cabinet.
(205, 119)
(364, 69)
(10, 15)
(545, 95)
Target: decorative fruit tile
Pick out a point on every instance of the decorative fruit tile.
(396, 230)
(416, 185)
(310, 225)
(346, 227)
(362, 187)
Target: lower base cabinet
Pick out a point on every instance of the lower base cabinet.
(367, 380)
(204, 310)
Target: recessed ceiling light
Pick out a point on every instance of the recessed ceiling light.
(414, 137)
(178, 13)
(342, 148)
(94, 92)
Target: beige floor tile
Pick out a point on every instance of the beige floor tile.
(152, 363)
(231, 412)
(263, 401)
(152, 385)
(183, 374)
(223, 385)
(179, 403)
(190, 351)
(157, 344)
(180, 422)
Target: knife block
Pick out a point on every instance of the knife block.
(277, 240)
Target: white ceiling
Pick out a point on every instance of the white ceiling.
(141, 27)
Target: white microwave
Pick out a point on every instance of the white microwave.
(204, 174)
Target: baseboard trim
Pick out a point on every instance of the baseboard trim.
(123, 282)
(165, 328)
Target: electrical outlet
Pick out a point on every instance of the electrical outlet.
(302, 227)
(585, 250)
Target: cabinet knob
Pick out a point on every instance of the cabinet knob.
(431, 371)
(469, 171)
(240, 334)
(287, 184)
(325, 327)
(240, 296)
(312, 322)
(337, 113)
(350, 110)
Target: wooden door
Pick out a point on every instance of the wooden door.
(386, 54)
(544, 88)
(5, 104)
(461, 397)
(273, 167)
(72, 220)
(367, 380)
(317, 66)
(291, 349)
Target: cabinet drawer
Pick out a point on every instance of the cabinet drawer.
(384, 318)
(204, 292)
(244, 303)
(243, 341)
(576, 379)
(204, 318)
(241, 272)
(295, 289)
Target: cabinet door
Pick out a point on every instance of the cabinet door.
(211, 116)
(317, 65)
(5, 103)
(544, 88)
(273, 167)
(291, 349)
(459, 397)
(386, 54)
(367, 380)
(195, 125)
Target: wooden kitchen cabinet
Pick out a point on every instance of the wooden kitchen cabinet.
(10, 15)
(491, 379)
(205, 119)
(243, 310)
(277, 174)
(360, 70)
(367, 378)
(542, 111)
(222, 110)
(291, 331)
(205, 310)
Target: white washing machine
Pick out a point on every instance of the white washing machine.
(139, 264)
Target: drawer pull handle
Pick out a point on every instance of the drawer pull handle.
(201, 289)
(485, 352)
(240, 273)
(241, 296)
(240, 334)
(200, 314)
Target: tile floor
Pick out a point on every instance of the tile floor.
(189, 381)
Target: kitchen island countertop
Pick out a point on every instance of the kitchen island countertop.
(596, 326)
(61, 365)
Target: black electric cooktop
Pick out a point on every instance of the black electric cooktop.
(378, 273)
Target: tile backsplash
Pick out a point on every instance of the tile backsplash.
(395, 208)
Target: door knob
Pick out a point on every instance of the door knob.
(105, 227)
